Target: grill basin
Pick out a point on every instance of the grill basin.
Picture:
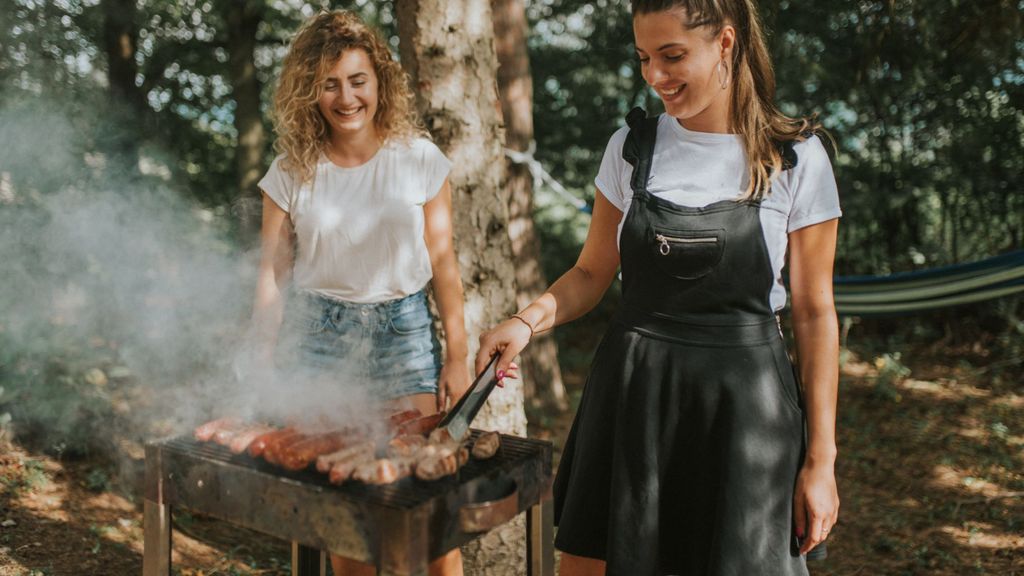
(397, 527)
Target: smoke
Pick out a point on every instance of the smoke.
(124, 304)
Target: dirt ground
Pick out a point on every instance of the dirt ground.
(931, 477)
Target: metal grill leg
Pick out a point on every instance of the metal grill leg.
(308, 561)
(540, 540)
(156, 539)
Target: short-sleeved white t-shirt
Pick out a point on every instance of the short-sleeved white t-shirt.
(359, 230)
(698, 168)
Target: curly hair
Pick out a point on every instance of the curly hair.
(301, 129)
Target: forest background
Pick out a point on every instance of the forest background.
(133, 134)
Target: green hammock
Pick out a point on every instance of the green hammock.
(944, 287)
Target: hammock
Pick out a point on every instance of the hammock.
(944, 287)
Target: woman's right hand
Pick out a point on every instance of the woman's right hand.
(507, 339)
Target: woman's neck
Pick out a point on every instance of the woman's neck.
(353, 149)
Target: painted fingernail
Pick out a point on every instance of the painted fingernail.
(501, 374)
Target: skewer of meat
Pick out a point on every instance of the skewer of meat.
(486, 446)
(299, 455)
(243, 438)
(205, 432)
(225, 434)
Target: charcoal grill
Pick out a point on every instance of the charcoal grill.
(398, 527)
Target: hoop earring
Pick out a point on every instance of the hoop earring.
(723, 74)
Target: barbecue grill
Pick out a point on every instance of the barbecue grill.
(397, 527)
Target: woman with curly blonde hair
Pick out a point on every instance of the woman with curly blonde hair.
(357, 215)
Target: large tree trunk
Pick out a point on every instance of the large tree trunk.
(541, 373)
(448, 50)
(243, 19)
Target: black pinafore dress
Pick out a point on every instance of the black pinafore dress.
(684, 453)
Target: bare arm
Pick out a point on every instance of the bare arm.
(448, 293)
(812, 251)
(574, 294)
(274, 273)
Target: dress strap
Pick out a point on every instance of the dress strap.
(638, 149)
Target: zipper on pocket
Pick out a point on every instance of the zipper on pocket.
(665, 247)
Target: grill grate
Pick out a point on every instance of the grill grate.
(405, 493)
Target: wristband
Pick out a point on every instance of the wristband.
(523, 320)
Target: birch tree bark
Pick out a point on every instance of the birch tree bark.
(542, 376)
(447, 47)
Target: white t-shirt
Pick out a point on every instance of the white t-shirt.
(360, 230)
(695, 169)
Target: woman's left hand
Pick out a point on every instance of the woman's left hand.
(815, 505)
(453, 384)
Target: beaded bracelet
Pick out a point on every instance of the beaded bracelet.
(517, 316)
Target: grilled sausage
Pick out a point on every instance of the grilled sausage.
(259, 445)
(299, 455)
(205, 432)
(272, 453)
(406, 445)
(246, 436)
(383, 470)
(341, 470)
(421, 425)
(486, 446)
(445, 462)
(326, 461)
(399, 418)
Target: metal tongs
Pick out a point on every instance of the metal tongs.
(461, 415)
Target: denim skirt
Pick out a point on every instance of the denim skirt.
(391, 346)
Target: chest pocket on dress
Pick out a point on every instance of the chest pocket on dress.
(687, 254)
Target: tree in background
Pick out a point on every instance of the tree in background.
(542, 375)
(450, 57)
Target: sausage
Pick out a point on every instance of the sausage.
(383, 470)
(246, 436)
(406, 445)
(324, 462)
(445, 462)
(225, 433)
(272, 453)
(299, 455)
(399, 418)
(486, 446)
(204, 432)
(422, 425)
(259, 445)
(342, 469)
(440, 436)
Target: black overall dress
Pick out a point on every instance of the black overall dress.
(684, 453)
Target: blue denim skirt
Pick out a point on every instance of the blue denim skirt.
(389, 345)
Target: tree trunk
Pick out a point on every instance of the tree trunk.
(542, 376)
(243, 19)
(448, 50)
(120, 42)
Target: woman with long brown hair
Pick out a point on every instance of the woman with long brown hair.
(695, 451)
(357, 216)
